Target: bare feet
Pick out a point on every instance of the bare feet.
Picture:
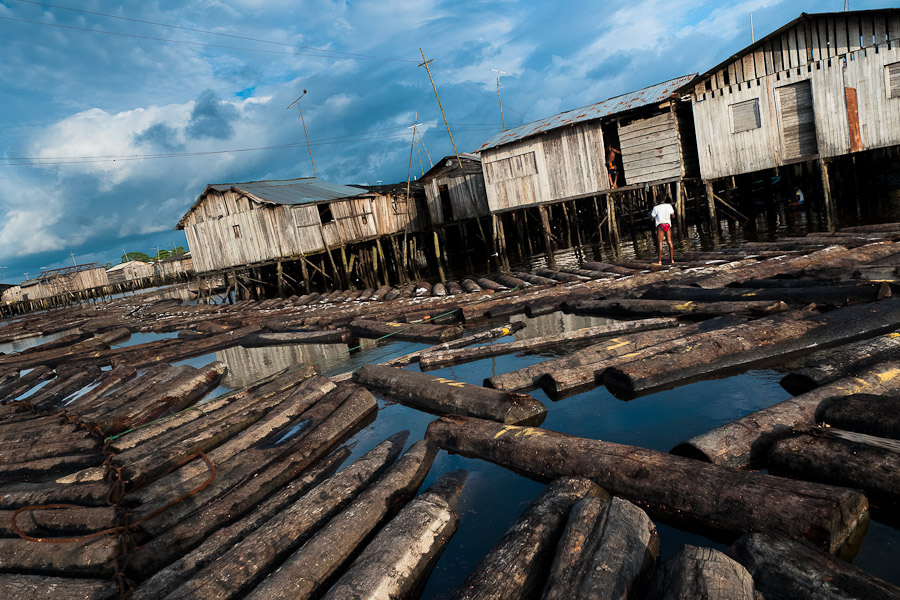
(657, 263)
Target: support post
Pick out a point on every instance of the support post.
(711, 205)
(280, 275)
(826, 190)
(548, 242)
(437, 255)
(612, 222)
(679, 207)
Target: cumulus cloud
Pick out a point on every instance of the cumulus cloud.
(211, 118)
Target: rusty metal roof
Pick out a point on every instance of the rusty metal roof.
(292, 191)
(643, 97)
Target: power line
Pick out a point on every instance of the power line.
(218, 33)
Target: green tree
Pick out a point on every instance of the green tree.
(129, 256)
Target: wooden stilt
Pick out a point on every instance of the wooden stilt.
(679, 207)
(437, 255)
(826, 190)
(548, 242)
(280, 274)
(711, 206)
(612, 222)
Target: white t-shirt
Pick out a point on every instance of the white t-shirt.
(662, 214)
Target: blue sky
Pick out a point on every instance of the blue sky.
(114, 116)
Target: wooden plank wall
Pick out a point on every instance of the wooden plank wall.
(461, 198)
(650, 149)
(831, 52)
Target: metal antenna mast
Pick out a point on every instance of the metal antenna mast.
(72, 254)
(499, 73)
(308, 146)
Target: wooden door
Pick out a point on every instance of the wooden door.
(798, 124)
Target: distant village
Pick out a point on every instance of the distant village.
(794, 107)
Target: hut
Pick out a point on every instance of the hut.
(455, 194)
(132, 270)
(59, 282)
(175, 266)
(821, 86)
(561, 159)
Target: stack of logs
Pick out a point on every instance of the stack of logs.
(122, 473)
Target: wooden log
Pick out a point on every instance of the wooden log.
(219, 541)
(687, 492)
(489, 284)
(27, 450)
(535, 279)
(453, 288)
(285, 338)
(602, 267)
(42, 587)
(111, 381)
(517, 566)
(445, 396)
(19, 386)
(510, 281)
(746, 441)
(62, 522)
(762, 339)
(40, 469)
(397, 562)
(871, 414)
(585, 273)
(833, 295)
(421, 289)
(607, 550)
(825, 459)
(832, 364)
(439, 290)
(630, 307)
(83, 494)
(434, 360)
(94, 557)
(52, 395)
(404, 331)
(765, 269)
(558, 276)
(877, 228)
(694, 572)
(783, 569)
(470, 287)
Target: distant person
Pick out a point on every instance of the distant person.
(798, 196)
(611, 167)
(662, 219)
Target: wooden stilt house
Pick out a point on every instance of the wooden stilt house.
(455, 194)
(58, 282)
(821, 86)
(129, 271)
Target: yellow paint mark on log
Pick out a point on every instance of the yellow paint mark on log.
(392, 324)
(893, 335)
(619, 345)
(889, 374)
(506, 429)
(505, 331)
(451, 382)
(687, 306)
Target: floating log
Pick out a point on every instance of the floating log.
(21, 385)
(303, 573)
(746, 441)
(422, 288)
(765, 269)
(765, 338)
(822, 458)
(687, 492)
(834, 363)
(558, 276)
(42, 587)
(585, 273)
(445, 396)
(438, 290)
(694, 572)
(453, 288)
(241, 566)
(470, 286)
(876, 228)
(41, 469)
(82, 494)
(490, 284)
(434, 360)
(396, 563)
(871, 414)
(535, 279)
(630, 307)
(518, 565)
(835, 295)
(284, 338)
(404, 331)
(607, 550)
(93, 558)
(783, 569)
(602, 267)
(60, 522)
(511, 282)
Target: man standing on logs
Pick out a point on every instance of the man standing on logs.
(662, 220)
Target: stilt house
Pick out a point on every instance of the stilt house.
(56, 282)
(821, 86)
(455, 194)
(129, 271)
(260, 222)
(174, 266)
(563, 157)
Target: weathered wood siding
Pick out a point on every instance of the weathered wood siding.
(466, 202)
(650, 149)
(130, 271)
(174, 267)
(394, 213)
(562, 163)
(64, 284)
(832, 54)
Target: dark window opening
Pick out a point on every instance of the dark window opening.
(325, 215)
(237, 230)
(446, 203)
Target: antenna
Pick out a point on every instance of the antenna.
(499, 73)
(308, 146)
(752, 36)
(845, 5)
(72, 254)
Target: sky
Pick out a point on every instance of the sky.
(115, 115)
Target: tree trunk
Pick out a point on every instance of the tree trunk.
(870, 414)
(695, 572)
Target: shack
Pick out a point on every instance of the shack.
(561, 159)
(455, 194)
(132, 270)
(58, 282)
(821, 86)
(175, 266)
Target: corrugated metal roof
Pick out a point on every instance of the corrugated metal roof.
(292, 191)
(643, 97)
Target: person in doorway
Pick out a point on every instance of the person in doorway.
(662, 220)
(611, 168)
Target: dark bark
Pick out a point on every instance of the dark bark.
(490, 284)
(42, 469)
(470, 286)
(517, 567)
(62, 522)
(83, 494)
(41, 587)
(93, 557)
(402, 331)
(510, 281)
(630, 307)
(602, 267)
(683, 491)
(397, 562)
(783, 569)
(19, 386)
(445, 396)
(834, 295)
(871, 414)
(558, 276)
(696, 573)
(535, 279)
(258, 340)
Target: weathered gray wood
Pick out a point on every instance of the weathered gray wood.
(838, 295)
(243, 565)
(306, 570)
(746, 441)
(83, 494)
(281, 338)
(436, 359)
(695, 573)
(92, 557)
(870, 414)
(635, 307)
(783, 569)
(613, 559)
(397, 562)
(60, 522)
(517, 566)
(688, 492)
(445, 396)
(42, 587)
(405, 331)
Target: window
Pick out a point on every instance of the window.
(892, 79)
(237, 230)
(325, 215)
(745, 116)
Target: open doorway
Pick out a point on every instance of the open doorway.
(612, 155)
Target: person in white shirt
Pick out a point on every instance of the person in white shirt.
(662, 219)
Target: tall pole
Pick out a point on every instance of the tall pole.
(72, 254)
(499, 73)
(426, 63)
(752, 35)
(306, 133)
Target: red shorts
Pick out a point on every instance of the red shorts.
(665, 227)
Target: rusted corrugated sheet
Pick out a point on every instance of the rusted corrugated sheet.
(643, 97)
